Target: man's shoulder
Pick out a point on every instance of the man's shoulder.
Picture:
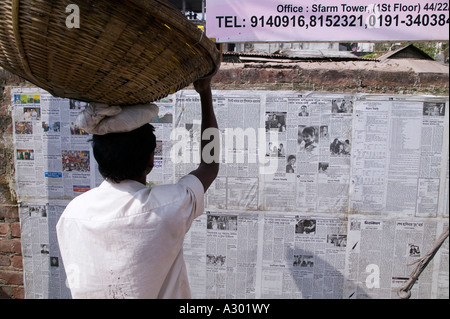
(187, 187)
(83, 199)
(186, 182)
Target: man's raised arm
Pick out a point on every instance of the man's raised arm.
(210, 148)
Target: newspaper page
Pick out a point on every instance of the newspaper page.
(231, 250)
(303, 257)
(53, 155)
(381, 253)
(400, 157)
(35, 250)
(44, 273)
(313, 134)
(237, 185)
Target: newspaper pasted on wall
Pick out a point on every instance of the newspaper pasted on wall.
(318, 196)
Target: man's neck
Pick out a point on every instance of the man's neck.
(141, 179)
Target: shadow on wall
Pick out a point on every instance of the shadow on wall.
(3, 295)
(315, 278)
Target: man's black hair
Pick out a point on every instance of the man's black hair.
(122, 156)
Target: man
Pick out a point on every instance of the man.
(124, 240)
(304, 111)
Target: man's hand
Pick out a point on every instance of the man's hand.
(203, 85)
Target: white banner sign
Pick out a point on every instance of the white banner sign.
(327, 20)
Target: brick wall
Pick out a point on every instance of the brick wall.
(11, 274)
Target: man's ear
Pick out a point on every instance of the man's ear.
(150, 163)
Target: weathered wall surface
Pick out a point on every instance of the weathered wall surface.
(355, 77)
(11, 276)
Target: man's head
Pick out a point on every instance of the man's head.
(308, 134)
(128, 155)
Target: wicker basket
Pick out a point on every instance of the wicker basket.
(125, 52)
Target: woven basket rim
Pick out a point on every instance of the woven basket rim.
(17, 36)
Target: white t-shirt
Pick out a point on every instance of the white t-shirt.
(125, 240)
